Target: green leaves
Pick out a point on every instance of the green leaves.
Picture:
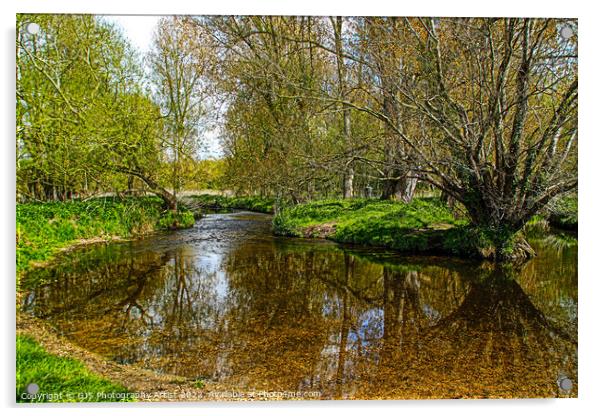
(80, 108)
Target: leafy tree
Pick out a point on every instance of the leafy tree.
(178, 63)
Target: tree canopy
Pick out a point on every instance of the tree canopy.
(480, 110)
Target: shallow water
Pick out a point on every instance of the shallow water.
(228, 303)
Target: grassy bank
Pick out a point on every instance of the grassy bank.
(564, 213)
(219, 202)
(59, 379)
(43, 229)
(406, 227)
(425, 226)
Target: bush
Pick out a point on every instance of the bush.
(485, 243)
(537, 227)
(171, 220)
(249, 203)
(564, 213)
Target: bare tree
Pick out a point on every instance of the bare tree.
(499, 97)
(386, 39)
(179, 62)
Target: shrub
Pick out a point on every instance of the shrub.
(564, 213)
(171, 220)
(249, 203)
(484, 243)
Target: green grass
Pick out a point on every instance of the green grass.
(59, 379)
(425, 226)
(44, 228)
(405, 227)
(249, 203)
(564, 213)
(199, 383)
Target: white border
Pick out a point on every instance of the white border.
(589, 202)
(518, 8)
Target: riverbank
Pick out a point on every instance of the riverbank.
(46, 358)
(403, 227)
(46, 229)
(59, 379)
(564, 214)
(212, 202)
(424, 226)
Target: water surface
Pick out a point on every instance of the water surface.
(228, 303)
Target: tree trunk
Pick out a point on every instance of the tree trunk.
(348, 183)
(498, 239)
(397, 183)
(169, 200)
(349, 172)
(337, 25)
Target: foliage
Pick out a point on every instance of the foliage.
(482, 110)
(178, 62)
(426, 225)
(199, 383)
(82, 115)
(173, 220)
(55, 375)
(45, 228)
(249, 203)
(278, 142)
(560, 241)
(210, 175)
(564, 213)
(536, 227)
(478, 242)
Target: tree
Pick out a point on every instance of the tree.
(276, 142)
(337, 28)
(65, 76)
(85, 125)
(500, 97)
(497, 102)
(386, 40)
(178, 63)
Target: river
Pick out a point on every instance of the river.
(228, 303)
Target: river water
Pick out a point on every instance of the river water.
(228, 303)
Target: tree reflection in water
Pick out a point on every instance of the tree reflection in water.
(258, 312)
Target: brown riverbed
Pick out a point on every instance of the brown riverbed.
(228, 305)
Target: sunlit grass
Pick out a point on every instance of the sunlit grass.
(369, 221)
(45, 228)
(250, 203)
(59, 379)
